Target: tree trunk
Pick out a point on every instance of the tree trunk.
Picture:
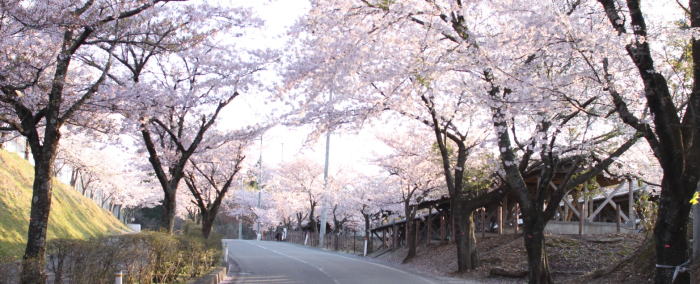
(169, 206)
(538, 267)
(312, 221)
(670, 230)
(74, 178)
(465, 237)
(410, 232)
(368, 233)
(27, 150)
(207, 224)
(34, 261)
(300, 219)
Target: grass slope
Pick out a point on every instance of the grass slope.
(72, 215)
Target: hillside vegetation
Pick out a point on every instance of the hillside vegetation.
(73, 216)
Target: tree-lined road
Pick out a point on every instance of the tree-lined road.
(278, 262)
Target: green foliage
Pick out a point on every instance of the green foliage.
(592, 188)
(148, 257)
(648, 210)
(150, 218)
(683, 65)
(477, 179)
(423, 81)
(384, 4)
(436, 151)
(73, 216)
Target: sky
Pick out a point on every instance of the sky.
(348, 151)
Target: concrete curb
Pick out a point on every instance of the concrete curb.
(215, 277)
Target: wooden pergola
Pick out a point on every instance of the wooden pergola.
(612, 203)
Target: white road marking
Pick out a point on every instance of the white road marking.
(380, 265)
(300, 260)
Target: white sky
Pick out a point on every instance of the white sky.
(348, 151)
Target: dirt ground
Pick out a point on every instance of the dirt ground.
(572, 259)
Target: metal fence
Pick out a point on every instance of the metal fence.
(347, 241)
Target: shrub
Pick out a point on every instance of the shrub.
(148, 257)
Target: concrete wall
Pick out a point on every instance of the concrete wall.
(591, 228)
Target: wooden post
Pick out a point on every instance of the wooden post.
(500, 220)
(565, 218)
(506, 216)
(384, 237)
(591, 207)
(394, 236)
(483, 222)
(354, 238)
(429, 228)
(442, 228)
(582, 216)
(517, 217)
(632, 213)
(619, 216)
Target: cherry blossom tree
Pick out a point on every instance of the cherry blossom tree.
(305, 178)
(369, 199)
(437, 61)
(415, 175)
(50, 73)
(209, 177)
(192, 92)
(178, 77)
(339, 192)
(669, 122)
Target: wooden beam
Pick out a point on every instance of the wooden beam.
(573, 209)
(608, 199)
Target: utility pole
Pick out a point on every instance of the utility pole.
(240, 220)
(259, 233)
(324, 200)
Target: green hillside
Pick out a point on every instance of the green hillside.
(72, 215)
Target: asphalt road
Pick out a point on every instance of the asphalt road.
(279, 262)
